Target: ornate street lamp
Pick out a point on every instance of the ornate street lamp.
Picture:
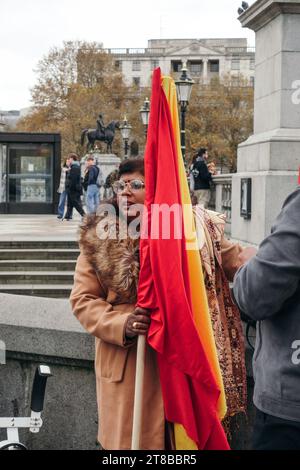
(184, 89)
(144, 112)
(125, 129)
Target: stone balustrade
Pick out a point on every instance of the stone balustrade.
(221, 198)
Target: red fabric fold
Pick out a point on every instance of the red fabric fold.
(189, 390)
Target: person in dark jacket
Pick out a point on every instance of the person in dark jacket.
(74, 186)
(201, 177)
(267, 289)
(90, 185)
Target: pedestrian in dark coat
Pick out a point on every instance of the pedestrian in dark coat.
(201, 177)
(74, 186)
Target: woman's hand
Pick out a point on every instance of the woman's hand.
(247, 254)
(138, 323)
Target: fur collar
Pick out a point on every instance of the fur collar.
(115, 260)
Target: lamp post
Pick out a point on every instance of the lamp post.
(125, 129)
(184, 89)
(144, 112)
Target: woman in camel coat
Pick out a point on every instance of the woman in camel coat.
(103, 299)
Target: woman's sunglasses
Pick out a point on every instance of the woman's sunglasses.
(134, 185)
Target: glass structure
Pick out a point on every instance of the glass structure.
(29, 172)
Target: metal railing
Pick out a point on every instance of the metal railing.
(157, 51)
(221, 197)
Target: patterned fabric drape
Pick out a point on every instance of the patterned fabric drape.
(224, 314)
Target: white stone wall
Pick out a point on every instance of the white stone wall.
(271, 157)
(165, 63)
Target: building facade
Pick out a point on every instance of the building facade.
(9, 119)
(205, 59)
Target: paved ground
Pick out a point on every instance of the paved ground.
(37, 227)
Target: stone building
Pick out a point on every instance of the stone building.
(9, 119)
(205, 59)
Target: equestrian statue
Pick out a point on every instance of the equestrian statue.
(102, 133)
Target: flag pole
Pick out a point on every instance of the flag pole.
(138, 394)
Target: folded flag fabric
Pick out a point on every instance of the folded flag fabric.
(171, 286)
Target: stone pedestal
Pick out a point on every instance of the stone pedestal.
(271, 157)
(108, 162)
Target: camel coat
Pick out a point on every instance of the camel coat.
(102, 298)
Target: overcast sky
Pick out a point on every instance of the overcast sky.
(29, 28)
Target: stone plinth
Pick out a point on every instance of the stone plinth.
(108, 163)
(271, 157)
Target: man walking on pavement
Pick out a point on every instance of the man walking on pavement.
(74, 186)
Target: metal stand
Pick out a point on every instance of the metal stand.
(34, 422)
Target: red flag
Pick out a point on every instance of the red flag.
(189, 390)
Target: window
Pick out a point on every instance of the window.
(195, 66)
(136, 66)
(252, 81)
(136, 81)
(118, 64)
(176, 65)
(154, 64)
(30, 177)
(235, 64)
(214, 66)
(252, 64)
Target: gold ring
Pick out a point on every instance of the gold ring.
(134, 324)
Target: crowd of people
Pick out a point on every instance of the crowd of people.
(73, 185)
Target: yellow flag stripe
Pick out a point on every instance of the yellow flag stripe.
(200, 307)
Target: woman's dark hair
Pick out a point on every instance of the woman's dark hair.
(199, 153)
(132, 165)
(74, 156)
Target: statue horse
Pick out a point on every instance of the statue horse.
(95, 134)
